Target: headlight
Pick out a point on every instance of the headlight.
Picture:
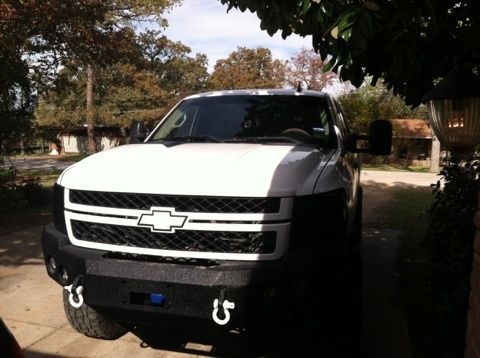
(59, 208)
(318, 220)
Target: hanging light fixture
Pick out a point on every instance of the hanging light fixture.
(454, 111)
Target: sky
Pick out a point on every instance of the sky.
(205, 26)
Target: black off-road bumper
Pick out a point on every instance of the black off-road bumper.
(121, 288)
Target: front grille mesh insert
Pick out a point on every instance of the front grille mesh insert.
(180, 203)
(183, 240)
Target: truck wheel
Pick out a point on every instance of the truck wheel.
(91, 323)
(357, 226)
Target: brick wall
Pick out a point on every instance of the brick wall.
(473, 330)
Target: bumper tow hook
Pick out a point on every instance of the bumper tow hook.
(76, 293)
(225, 306)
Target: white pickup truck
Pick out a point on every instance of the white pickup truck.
(236, 208)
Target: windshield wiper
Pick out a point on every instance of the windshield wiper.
(189, 139)
(263, 139)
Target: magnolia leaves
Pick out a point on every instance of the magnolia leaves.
(388, 39)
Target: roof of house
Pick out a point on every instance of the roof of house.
(412, 128)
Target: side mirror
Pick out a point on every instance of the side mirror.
(138, 132)
(379, 139)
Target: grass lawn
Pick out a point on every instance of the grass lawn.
(45, 177)
(395, 168)
(407, 212)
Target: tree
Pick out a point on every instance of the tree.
(309, 67)
(369, 103)
(141, 89)
(93, 32)
(172, 62)
(124, 93)
(248, 68)
(16, 99)
(408, 44)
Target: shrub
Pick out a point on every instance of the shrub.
(449, 241)
(7, 177)
(18, 196)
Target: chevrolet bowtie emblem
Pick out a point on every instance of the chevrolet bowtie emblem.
(162, 220)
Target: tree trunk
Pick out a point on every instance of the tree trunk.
(91, 78)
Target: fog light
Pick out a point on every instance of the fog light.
(52, 264)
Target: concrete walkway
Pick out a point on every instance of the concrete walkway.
(384, 326)
(31, 306)
(385, 331)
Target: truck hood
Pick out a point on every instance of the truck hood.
(206, 169)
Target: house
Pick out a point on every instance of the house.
(414, 142)
(76, 140)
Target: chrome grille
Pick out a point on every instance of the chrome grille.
(180, 203)
(183, 240)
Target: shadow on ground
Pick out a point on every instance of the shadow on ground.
(34, 354)
(286, 341)
(21, 247)
(404, 262)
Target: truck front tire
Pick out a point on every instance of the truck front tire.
(91, 323)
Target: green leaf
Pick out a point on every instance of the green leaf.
(271, 31)
(305, 7)
(286, 33)
(263, 25)
(346, 34)
(334, 32)
(326, 9)
(329, 66)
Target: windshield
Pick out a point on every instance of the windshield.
(242, 118)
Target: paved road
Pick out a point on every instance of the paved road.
(38, 163)
(31, 304)
(398, 179)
